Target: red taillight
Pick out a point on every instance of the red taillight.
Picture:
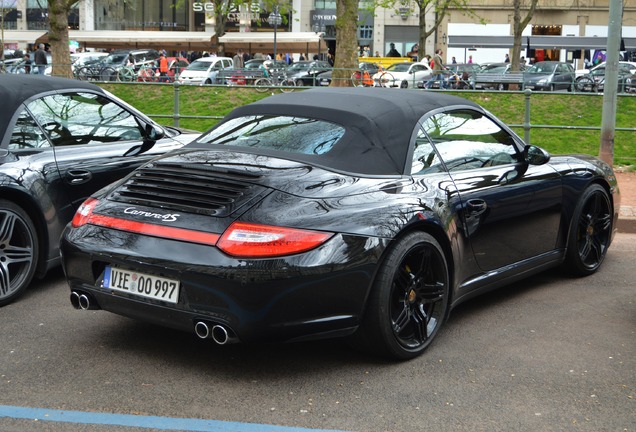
(84, 212)
(253, 240)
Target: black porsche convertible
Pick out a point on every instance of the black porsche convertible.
(337, 212)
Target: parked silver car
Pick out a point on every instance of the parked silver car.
(549, 76)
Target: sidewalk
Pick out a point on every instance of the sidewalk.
(627, 212)
(627, 219)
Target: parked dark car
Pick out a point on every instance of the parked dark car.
(310, 215)
(111, 64)
(549, 76)
(305, 73)
(60, 141)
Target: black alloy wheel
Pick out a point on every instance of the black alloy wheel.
(18, 251)
(591, 231)
(409, 299)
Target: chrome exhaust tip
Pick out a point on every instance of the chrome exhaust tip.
(220, 334)
(202, 330)
(84, 302)
(75, 299)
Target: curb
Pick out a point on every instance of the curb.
(627, 220)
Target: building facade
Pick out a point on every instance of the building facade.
(376, 30)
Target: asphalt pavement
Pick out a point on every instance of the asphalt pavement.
(550, 353)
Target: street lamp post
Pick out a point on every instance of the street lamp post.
(319, 29)
(275, 19)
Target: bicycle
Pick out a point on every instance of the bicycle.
(386, 79)
(126, 74)
(275, 80)
(586, 83)
(147, 73)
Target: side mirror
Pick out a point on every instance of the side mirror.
(154, 132)
(534, 155)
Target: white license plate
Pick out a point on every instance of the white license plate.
(141, 284)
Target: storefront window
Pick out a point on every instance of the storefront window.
(166, 15)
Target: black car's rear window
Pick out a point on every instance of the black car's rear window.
(280, 133)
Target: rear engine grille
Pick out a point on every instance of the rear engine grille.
(201, 189)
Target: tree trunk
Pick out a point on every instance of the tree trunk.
(346, 59)
(58, 37)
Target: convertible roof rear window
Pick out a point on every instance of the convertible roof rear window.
(279, 133)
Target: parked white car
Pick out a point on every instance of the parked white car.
(623, 66)
(403, 75)
(204, 70)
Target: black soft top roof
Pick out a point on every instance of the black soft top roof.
(17, 88)
(379, 123)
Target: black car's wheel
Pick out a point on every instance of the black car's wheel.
(409, 299)
(590, 231)
(18, 251)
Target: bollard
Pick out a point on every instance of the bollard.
(176, 116)
(526, 121)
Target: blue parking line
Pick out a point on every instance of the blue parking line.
(162, 423)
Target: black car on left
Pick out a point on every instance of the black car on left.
(60, 141)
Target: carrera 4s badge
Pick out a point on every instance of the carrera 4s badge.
(169, 217)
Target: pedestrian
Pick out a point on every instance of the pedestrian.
(454, 61)
(393, 52)
(163, 68)
(507, 59)
(238, 60)
(27, 64)
(438, 68)
(470, 59)
(40, 59)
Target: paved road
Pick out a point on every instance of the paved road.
(550, 354)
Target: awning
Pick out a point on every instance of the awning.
(536, 42)
(168, 40)
(22, 36)
(263, 42)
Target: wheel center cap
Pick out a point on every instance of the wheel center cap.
(411, 296)
(590, 230)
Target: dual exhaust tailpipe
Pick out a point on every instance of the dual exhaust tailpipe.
(83, 301)
(217, 332)
(205, 330)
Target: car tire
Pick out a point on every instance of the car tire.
(18, 251)
(404, 84)
(409, 299)
(590, 232)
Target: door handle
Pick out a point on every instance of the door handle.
(76, 176)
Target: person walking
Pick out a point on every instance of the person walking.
(40, 60)
(438, 68)
(237, 60)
